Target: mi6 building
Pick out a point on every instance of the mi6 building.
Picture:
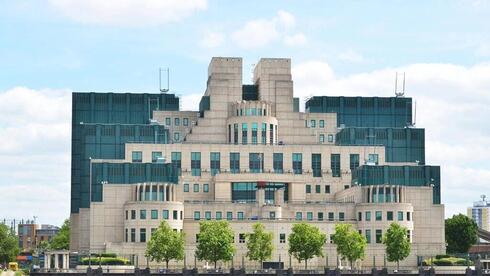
(249, 155)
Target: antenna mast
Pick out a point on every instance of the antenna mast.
(399, 93)
(164, 90)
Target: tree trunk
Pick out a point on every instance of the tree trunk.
(351, 267)
(215, 264)
(306, 264)
(167, 263)
(398, 265)
(261, 265)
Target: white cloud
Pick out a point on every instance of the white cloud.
(452, 104)
(352, 56)
(127, 12)
(261, 32)
(212, 39)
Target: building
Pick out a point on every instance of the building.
(46, 232)
(480, 213)
(27, 235)
(250, 155)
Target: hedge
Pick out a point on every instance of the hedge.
(105, 261)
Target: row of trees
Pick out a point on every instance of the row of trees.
(216, 243)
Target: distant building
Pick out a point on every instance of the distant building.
(46, 233)
(480, 213)
(27, 236)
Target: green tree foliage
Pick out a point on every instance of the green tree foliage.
(305, 242)
(259, 244)
(62, 239)
(351, 245)
(215, 242)
(397, 243)
(9, 244)
(461, 233)
(165, 244)
(43, 246)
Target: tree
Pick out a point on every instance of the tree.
(43, 246)
(461, 233)
(62, 240)
(215, 241)
(305, 242)
(9, 244)
(351, 245)
(259, 244)
(165, 244)
(397, 243)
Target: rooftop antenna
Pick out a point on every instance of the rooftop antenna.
(164, 90)
(399, 93)
(483, 197)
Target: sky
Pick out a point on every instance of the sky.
(49, 48)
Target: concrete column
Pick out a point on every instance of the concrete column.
(56, 261)
(165, 192)
(46, 260)
(138, 192)
(151, 191)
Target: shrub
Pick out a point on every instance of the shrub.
(105, 261)
(108, 255)
(443, 262)
(442, 256)
(463, 262)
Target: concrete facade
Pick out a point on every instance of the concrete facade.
(228, 152)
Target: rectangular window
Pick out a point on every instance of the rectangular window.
(133, 234)
(354, 161)
(127, 215)
(320, 216)
(240, 216)
(308, 189)
(400, 216)
(152, 231)
(299, 216)
(133, 214)
(229, 215)
(318, 189)
(219, 215)
(309, 215)
(271, 134)
(368, 216)
(185, 121)
(241, 238)
(254, 133)
(177, 121)
(278, 162)
(207, 215)
(282, 238)
(137, 156)
(341, 216)
(321, 123)
(168, 121)
(330, 138)
(312, 123)
(379, 236)
(177, 161)
(215, 158)
(373, 159)
(359, 216)
(389, 215)
(142, 214)
(368, 235)
(175, 215)
(408, 236)
(331, 216)
(165, 214)
(156, 157)
(244, 133)
(176, 136)
(205, 188)
(235, 133)
(316, 164)
(327, 189)
(197, 238)
(234, 162)
(186, 187)
(197, 215)
(335, 164)
(297, 163)
(142, 234)
(256, 162)
(154, 214)
(272, 215)
(196, 163)
(322, 138)
(408, 216)
(379, 215)
(126, 235)
(264, 133)
(196, 188)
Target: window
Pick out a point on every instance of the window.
(278, 163)
(400, 215)
(318, 189)
(186, 187)
(197, 238)
(142, 234)
(185, 121)
(168, 121)
(282, 238)
(379, 215)
(330, 138)
(341, 216)
(264, 133)
(133, 234)
(229, 215)
(299, 216)
(272, 215)
(322, 138)
(126, 235)
(327, 189)
(127, 216)
(373, 159)
(219, 215)
(181, 215)
(240, 215)
(321, 123)
(312, 123)
(234, 162)
(196, 163)
(254, 133)
(335, 165)
(133, 214)
(297, 163)
(205, 188)
(165, 214)
(175, 215)
(196, 188)
(215, 162)
(154, 214)
(244, 133)
(408, 216)
(320, 216)
(256, 162)
(235, 133)
(241, 238)
(176, 161)
(271, 133)
(309, 215)
(142, 214)
(197, 215)
(207, 215)
(177, 121)
(389, 215)
(176, 136)
(137, 156)
(368, 235)
(316, 164)
(359, 216)
(152, 230)
(379, 235)
(368, 215)
(354, 161)
(330, 216)
(156, 157)
(408, 236)
(308, 189)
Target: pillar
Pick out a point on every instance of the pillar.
(46, 261)
(56, 261)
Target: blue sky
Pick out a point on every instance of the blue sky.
(49, 48)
